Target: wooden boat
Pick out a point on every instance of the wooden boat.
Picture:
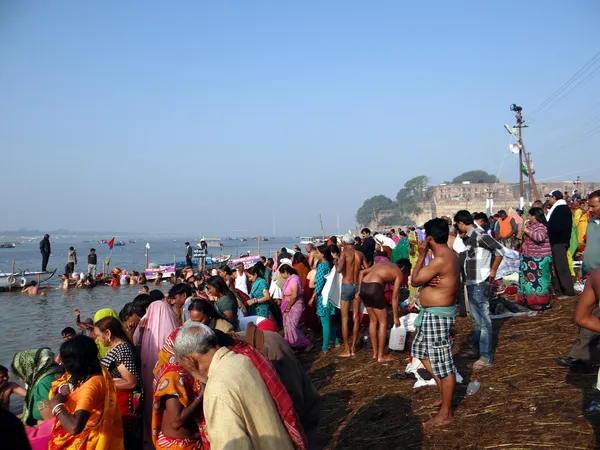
(23, 278)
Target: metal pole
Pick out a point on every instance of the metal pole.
(146, 256)
(519, 124)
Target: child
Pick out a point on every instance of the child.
(68, 334)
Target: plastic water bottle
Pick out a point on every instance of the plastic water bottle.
(473, 387)
(404, 304)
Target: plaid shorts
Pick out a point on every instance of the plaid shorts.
(432, 342)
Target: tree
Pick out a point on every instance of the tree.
(377, 203)
(409, 197)
(416, 186)
(396, 219)
(475, 176)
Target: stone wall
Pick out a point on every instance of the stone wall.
(446, 200)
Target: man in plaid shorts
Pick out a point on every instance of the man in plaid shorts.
(432, 343)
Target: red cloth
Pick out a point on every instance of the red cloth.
(128, 403)
(267, 325)
(278, 392)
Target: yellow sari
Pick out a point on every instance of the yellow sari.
(104, 429)
(414, 249)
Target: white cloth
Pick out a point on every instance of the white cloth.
(241, 282)
(384, 240)
(333, 287)
(459, 246)
(558, 203)
(244, 321)
(275, 290)
(332, 291)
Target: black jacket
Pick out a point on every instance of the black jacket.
(45, 246)
(559, 225)
(369, 249)
(92, 259)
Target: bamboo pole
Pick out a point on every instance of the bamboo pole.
(12, 275)
(258, 245)
(322, 229)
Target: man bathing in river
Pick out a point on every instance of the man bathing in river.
(349, 263)
(432, 343)
(371, 283)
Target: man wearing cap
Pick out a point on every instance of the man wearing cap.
(581, 353)
(560, 222)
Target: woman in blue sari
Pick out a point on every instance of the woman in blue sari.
(258, 305)
(324, 311)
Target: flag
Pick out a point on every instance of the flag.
(514, 148)
(107, 261)
(524, 169)
(148, 245)
(111, 243)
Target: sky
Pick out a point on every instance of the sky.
(209, 117)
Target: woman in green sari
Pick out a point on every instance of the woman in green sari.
(37, 369)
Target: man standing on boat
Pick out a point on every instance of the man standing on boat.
(45, 250)
(202, 254)
(71, 259)
(92, 262)
(189, 252)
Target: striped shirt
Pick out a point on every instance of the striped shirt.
(480, 254)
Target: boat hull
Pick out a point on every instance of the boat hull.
(18, 280)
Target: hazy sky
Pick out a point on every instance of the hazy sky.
(217, 116)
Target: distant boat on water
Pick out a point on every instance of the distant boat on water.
(7, 245)
(132, 241)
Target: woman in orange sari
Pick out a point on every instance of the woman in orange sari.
(84, 401)
(176, 410)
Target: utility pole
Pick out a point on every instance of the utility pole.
(520, 125)
(530, 174)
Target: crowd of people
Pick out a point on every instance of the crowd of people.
(213, 363)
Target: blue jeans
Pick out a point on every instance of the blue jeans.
(479, 307)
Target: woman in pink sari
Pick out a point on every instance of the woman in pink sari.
(154, 329)
(292, 307)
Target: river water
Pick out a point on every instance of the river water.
(34, 322)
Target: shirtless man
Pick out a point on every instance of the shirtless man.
(349, 264)
(32, 290)
(311, 252)
(438, 314)
(7, 388)
(371, 283)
